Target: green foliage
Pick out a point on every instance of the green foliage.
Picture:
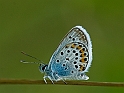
(37, 27)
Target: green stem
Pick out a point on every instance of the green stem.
(78, 83)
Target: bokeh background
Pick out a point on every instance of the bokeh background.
(37, 26)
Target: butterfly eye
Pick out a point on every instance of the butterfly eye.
(43, 67)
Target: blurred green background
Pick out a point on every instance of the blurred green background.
(37, 26)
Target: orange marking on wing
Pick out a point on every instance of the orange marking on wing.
(73, 45)
(82, 60)
(81, 51)
(81, 68)
(67, 46)
(82, 55)
(78, 47)
(83, 36)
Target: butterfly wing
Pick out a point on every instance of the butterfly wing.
(73, 55)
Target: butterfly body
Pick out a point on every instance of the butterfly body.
(72, 58)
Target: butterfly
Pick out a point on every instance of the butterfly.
(72, 59)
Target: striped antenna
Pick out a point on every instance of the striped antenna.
(23, 61)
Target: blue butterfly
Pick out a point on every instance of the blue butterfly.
(72, 58)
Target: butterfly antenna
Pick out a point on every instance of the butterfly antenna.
(31, 57)
(23, 61)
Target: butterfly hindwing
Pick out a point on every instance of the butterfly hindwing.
(72, 60)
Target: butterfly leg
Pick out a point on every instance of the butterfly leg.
(61, 79)
(45, 79)
(51, 79)
(64, 81)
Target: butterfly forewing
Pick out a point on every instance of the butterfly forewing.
(76, 34)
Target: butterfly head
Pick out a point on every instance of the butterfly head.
(42, 68)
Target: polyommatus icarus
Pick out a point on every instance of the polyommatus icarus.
(71, 59)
